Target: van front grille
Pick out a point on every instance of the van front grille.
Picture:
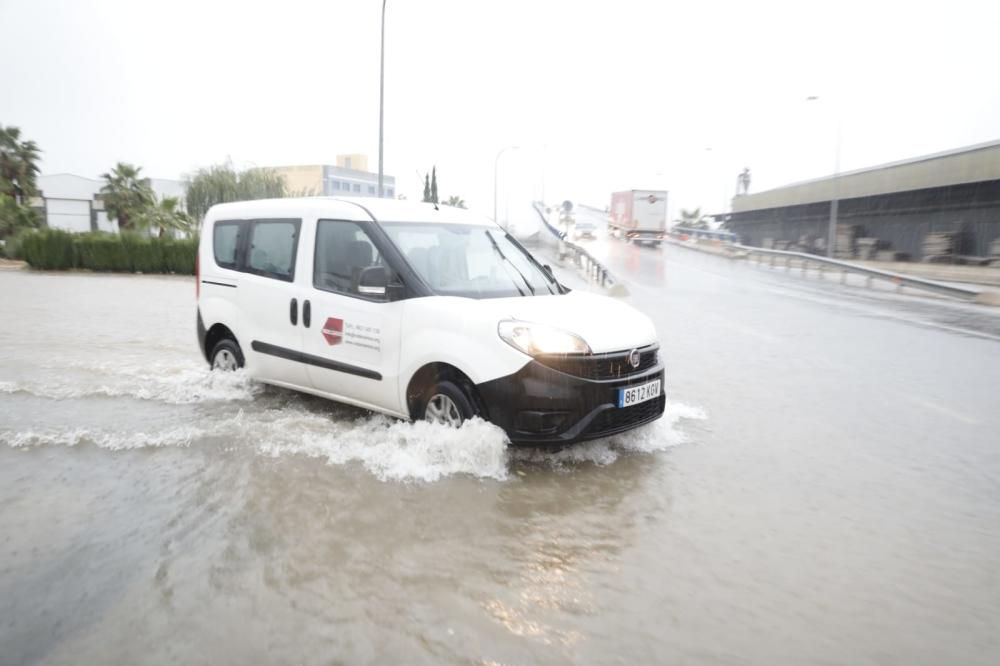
(614, 365)
(615, 420)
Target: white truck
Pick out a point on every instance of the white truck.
(639, 216)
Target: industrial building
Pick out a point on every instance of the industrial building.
(940, 207)
(73, 203)
(348, 177)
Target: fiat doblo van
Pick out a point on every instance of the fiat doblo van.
(419, 312)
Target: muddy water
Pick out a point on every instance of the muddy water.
(154, 512)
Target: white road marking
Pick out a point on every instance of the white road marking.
(942, 409)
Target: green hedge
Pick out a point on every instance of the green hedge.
(52, 249)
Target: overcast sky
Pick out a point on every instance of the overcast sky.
(598, 96)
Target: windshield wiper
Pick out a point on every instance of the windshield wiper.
(548, 277)
(516, 269)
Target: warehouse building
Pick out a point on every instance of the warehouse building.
(73, 203)
(940, 207)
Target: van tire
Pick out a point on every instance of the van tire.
(443, 400)
(226, 356)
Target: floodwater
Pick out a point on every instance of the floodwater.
(823, 489)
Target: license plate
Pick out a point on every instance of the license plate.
(636, 394)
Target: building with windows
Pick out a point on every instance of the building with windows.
(348, 177)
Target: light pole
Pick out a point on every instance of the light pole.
(496, 164)
(831, 240)
(381, 100)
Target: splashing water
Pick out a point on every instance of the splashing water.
(175, 384)
(391, 450)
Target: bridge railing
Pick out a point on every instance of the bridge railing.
(844, 267)
(821, 264)
(590, 265)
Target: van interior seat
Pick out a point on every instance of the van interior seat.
(419, 259)
(359, 257)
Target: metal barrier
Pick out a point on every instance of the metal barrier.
(594, 269)
(846, 267)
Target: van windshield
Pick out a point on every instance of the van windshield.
(470, 260)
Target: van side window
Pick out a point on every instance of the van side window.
(272, 248)
(343, 250)
(226, 240)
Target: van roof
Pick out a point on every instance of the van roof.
(348, 208)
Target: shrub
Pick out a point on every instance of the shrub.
(12, 247)
(101, 252)
(179, 255)
(50, 250)
(53, 249)
(143, 253)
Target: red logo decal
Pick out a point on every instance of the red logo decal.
(333, 331)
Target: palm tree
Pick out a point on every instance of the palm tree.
(167, 216)
(126, 195)
(457, 202)
(18, 165)
(693, 219)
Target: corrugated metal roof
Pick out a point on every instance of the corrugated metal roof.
(971, 164)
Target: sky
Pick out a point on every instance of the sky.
(597, 97)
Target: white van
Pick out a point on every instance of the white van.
(419, 312)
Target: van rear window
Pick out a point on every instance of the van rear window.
(226, 239)
(272, 248)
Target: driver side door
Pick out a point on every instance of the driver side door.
(354, 338)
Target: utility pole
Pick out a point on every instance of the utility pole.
(496, 164)
(831, 236)
(381, 102)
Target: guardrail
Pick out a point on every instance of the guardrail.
(846, 267)
(704, 233)
(594, 269)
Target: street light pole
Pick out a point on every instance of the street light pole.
(835, 200)
(496, 164)
(381, 101)
(831, 235)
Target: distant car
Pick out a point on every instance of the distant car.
(584, 229)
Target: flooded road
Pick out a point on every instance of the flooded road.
(824, 489)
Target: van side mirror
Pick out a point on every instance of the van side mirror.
(373, 281)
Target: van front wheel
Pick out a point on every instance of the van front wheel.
(226, 356)
(447, 404)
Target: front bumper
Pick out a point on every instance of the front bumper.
(541, 405)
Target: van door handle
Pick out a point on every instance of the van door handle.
(306, 314)
(293, 312)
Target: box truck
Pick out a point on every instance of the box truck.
(639, 216)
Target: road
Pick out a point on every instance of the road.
(824, 489)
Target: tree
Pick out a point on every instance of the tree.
(434, 185)
(126, 196)
(222, 183)
(427, 189)
(693, 219)
(18, 174)
(14, 218)
(457, 202)
(167, 216)
(18, 166)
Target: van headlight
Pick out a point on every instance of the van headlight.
(535, 339)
